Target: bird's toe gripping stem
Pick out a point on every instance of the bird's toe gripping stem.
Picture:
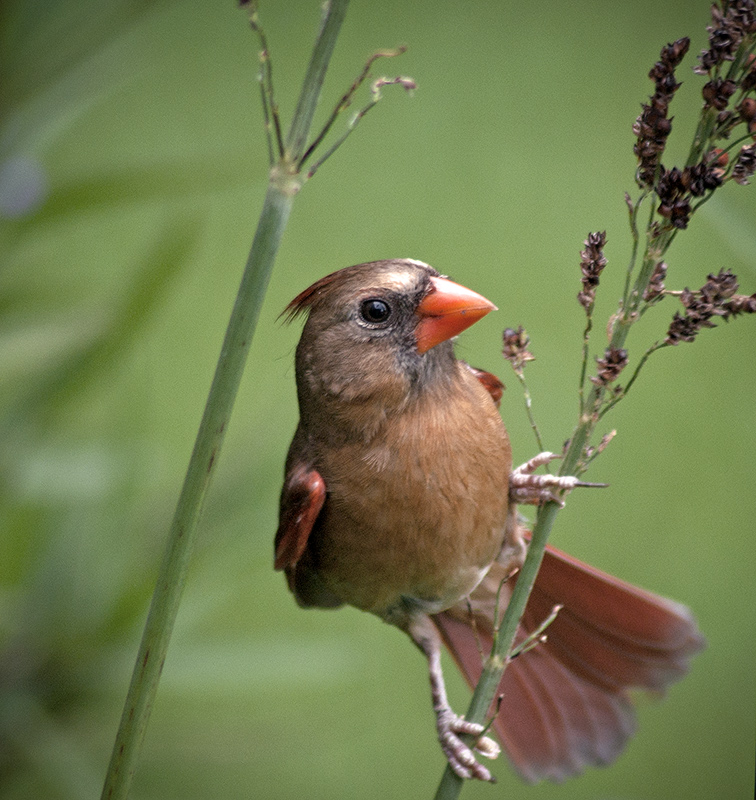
(526, 487)
(459, 755)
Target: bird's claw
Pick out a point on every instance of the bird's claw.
(459, 755)
(525, 487)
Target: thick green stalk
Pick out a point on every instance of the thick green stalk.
(283, 186)
(175, 564)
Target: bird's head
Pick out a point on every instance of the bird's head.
(381, 328)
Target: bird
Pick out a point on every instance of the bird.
(399, 498)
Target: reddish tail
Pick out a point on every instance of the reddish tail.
(566, 704)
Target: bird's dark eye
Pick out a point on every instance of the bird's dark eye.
(375, 311)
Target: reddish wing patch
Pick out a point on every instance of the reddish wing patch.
(303, 496)
(490, 383)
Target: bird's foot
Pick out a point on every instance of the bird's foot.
(525, 487)
(460, 756)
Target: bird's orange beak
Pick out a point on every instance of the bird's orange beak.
(447, 310)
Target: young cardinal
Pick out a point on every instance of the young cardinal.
(396, 500)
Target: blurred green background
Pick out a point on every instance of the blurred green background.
(132, 134)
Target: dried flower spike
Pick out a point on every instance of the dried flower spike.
(655, 286)
(515, 348)
(613, 362)
(717, 93)
(675, 187)
(681, 329)
(592, 262)
(729, 25)
(713, 299)
(653, 127)
(719, 287)
(740, 304)
(745, 166)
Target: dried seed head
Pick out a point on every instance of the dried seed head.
(716, 298)
(592, 262)
(655, 286)
(729, 25)
(681, 329)
(653, 127)
(740, 304)
(717, 93)
(515, 348)
(745, 166)
(747, 109)
(610, 366)
(703, 177)
(675, 187)
(719, 287)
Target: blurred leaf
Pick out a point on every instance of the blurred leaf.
(108, 338)
(57, 58)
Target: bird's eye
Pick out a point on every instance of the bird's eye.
(375, 311)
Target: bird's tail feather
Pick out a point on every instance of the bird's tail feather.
(565, 703)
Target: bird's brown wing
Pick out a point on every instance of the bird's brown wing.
(565, 703)
(302, 498)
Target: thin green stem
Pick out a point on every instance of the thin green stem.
(335, 146)
(408, 84)
(613, 402)
(346, 101)
(748, 137)
(537, 636)
(266, 119)
(633, 214)
(703, 136)
(584, 362)
(529, 408)
(485, 692)
(270, 107)
(283, 186)
(333, 15)
(739, 60)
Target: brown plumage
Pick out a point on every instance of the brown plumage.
(396, 501)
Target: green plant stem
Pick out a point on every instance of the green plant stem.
(529, 408)
(584, 362)
(633, 219)
(283, 186)
(485, 692)
(652, 349)
(592, 409)
(702, 136)
(175, 564)
(334, 12)
(572, 464)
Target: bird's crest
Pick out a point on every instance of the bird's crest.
(305, 300)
